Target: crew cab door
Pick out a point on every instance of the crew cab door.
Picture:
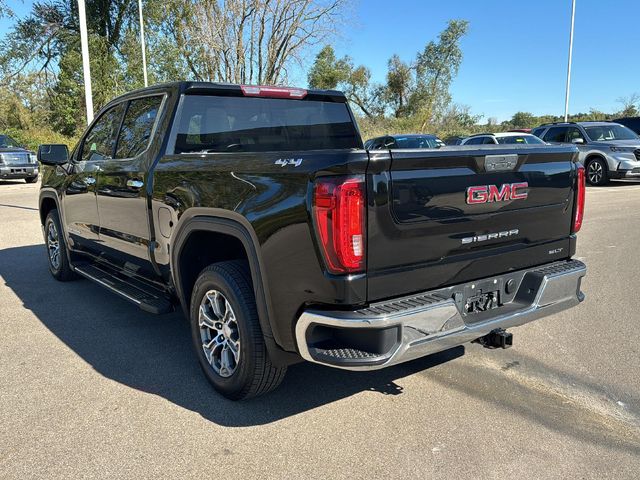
(80, 209)
(122, 190)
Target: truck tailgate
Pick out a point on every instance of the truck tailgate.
(438, 217)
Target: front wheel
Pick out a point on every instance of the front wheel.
(57, 248)
(597, 173)
(227, 335)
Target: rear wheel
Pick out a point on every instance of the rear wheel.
(597, 173)
(226, 333)
(57, 248)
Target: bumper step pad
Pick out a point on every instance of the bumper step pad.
(431, 322)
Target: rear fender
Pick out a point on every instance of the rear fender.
(233, 224)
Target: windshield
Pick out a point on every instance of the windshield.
(519, 140)
(606, 133)
(416, 142)
(247, 124)
(7, 142)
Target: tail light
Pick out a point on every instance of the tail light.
(579, 207)
(339, 216)
(272, 92)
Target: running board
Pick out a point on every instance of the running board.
(134, 291)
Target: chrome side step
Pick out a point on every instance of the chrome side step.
(137, 293)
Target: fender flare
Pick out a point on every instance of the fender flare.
(52, 194)
(48, 194)
(228, 223)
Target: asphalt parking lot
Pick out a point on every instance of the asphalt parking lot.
(92, 387)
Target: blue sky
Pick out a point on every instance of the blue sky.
(515, 55)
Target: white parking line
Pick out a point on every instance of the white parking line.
(634, 188)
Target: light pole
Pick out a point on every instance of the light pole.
(144, 52)
(86, 68)
(566, 100)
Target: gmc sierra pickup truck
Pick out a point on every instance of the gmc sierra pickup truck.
(257, 210)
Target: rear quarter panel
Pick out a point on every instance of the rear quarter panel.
(275, 200)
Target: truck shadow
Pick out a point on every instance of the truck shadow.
(153, 354)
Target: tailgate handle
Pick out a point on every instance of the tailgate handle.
(500, 163)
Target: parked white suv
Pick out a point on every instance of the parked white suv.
(505, 138)
(607, 149)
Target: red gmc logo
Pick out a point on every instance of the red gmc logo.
(491, 193)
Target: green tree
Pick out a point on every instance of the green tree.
(523, 120)
(400, 84)
(47, 42)
(330, 72)
(436, 67)
(327, 72)
(630, 105)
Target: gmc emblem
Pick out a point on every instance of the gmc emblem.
(491, 193)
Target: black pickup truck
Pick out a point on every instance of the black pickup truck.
(257, 210)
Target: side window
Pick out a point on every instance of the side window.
(137, 126)
(573, 133)
(556, 134)
(475, 141)
(489, 141)
(100, 141)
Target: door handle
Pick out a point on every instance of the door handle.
(135, 183)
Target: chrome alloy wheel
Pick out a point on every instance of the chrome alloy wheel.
(595, 172)
(53, 245)
(219, 333)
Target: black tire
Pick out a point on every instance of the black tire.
(253, 373)
(60, 270)
(31, 179)
(597, 172)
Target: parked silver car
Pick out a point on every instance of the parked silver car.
(503, 138)
(607, 149)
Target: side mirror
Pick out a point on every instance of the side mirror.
(53, 154)
(577, 141)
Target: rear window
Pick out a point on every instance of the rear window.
(519, 140)
(556, 135)
(475, 141)
(537, 132)
(248, 124)
(632, 123)
(416, 142)
(7, 142)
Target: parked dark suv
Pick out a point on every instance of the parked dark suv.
(16, 161)
(410, 141)
(632, 123)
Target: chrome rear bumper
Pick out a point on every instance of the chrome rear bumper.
(398, 330)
